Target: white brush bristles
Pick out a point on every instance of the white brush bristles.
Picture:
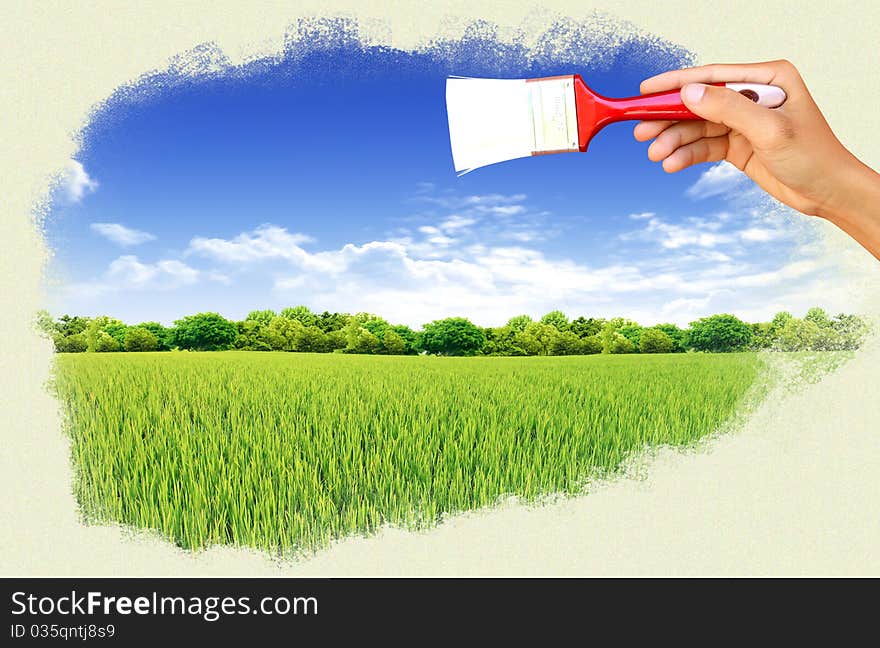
(489, 121)
(492, 120)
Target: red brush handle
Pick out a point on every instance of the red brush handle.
(594, 111)
(660, 105)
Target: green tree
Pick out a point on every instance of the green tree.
(502, 341)
(251, 336)
(566, 343)
(363, 318)
(97, 328)
(366, 333)
(410, 337)
(359, 340)
(827, 339)
(585, 327)
(261, 317)
(617, 343)
(851, 331)
(104, 343)
(336, 340)
(798, 335)
(44, 323)
(633, 333)
(556, 319)
(762, 337)
(68, 325)
(452, 336)
(328, 322)
(619, 322)
(779, 320)
(591, 344)
(75, 343)
(609, 336)
(767, 337)
(519, 322)
(720, 333)
(381, 329)
(162, 333)
(282, 333)
(537, 338)
(139, 339)
(115, 329)
(310, 339)
(204, 332)
(377, 326)
(301, 314)
(678, 336)
(819, 317)
(393, 343)
(653, 340)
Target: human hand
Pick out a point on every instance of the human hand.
(789, 151)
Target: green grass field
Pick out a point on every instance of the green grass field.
(285, 452)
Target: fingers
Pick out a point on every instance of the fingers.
(650, 129)
(727, 114)
(763, 127)
(708, 149)
(681, 134)
(781, 73)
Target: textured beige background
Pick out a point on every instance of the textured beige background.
(796, 492)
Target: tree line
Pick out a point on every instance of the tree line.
(299, 329)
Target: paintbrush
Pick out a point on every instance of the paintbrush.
(493, 120)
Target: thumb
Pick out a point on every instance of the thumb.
(737, 112)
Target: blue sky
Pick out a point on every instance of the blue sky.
(326, 179)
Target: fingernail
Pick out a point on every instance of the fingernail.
(693, 92)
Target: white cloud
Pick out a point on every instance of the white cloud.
(266, 242)
(759, 234)
(76, 182)
(719, 179)
(469, 262)
(461, 266)
(501, 210)
(684, 309)
(474, 218)
(495, 203)
(410, 281)
(524, 236)
(714, 255)
(673, 237)
(128, 273)
(487, 289)
(443, 241)
(789, 271)
(219, 277)
(494, 199)
(120, 234)
(432, 277)
(455, 222)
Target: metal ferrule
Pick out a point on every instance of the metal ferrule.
(554, 114)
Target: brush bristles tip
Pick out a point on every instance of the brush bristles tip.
(493, 120)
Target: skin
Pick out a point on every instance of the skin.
(789, 151)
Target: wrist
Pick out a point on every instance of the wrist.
(857, 188)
